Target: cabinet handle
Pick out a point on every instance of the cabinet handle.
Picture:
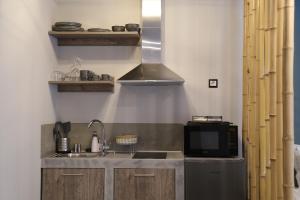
(73, 174)
(143, 175)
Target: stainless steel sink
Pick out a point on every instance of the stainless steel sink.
(77, 155)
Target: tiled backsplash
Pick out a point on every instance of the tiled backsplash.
(150, 136)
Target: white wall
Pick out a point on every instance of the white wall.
(203, 39)
(26, 59)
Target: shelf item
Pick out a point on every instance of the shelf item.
(84, 86)
(96, 38)
(126, 139)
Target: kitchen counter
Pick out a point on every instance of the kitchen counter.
(114, 160)
(174, 160)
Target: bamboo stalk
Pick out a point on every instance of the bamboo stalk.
(273, 90)
(274, 180)
(246, 91)
(268, 184)
(257, 108)
(255, 75)
(288, 58)
(279, 128)
(252, 98)
(263, 149)
(245, 85)
(262, 195)
(268, 71)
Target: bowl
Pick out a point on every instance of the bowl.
(118, 28)
(132, 27)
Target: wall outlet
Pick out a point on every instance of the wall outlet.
(213, 83)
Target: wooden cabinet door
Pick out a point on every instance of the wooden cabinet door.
(73, 184)
(144, 184)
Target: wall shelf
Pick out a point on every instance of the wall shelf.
(84, 86)
(96, 38)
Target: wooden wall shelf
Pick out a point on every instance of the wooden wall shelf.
(84, 86)
(96, 38)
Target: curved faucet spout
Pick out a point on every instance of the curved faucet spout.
(92, 122)
(103, 139)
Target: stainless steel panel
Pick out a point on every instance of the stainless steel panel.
(150, 82)
(151, 45)
(151, 74)
(151, 71)
(151, 13)
(151, 22)
(215, 179)
(151, 31)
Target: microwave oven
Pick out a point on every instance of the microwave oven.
(210, 139)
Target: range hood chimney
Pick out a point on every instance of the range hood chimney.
(151, 71)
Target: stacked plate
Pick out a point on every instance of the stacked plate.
(67, 26)
(98, 30)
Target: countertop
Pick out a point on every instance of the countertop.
(114, 160)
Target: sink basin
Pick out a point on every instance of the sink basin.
(150, 155)
(78, 155)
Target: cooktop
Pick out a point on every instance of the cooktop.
(150, 155)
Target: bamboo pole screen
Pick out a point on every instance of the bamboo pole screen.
(268, 98)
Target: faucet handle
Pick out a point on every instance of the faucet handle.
(106, 145)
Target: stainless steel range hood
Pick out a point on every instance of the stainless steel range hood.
(151, 71)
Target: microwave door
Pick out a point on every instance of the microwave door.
(208, 142)
(205, 140)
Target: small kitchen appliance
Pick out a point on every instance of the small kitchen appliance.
(212, 168)
(210, 138)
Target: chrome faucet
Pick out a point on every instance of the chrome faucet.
(103, 142)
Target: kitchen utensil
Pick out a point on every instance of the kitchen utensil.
(96, 77)
(73, 75)
(77, 148)
(63, 145)
(95, 147)
(132, 27)
(105, 77)
(58, 130)
(76, 24)
(67, 28)
(66, 128)
(57, 76)
(87, 75)
(128, 139)
(55, 134)
(98, 30)
(118, 28)
(84, 75)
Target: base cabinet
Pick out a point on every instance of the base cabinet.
(144, 184)
(73, 184)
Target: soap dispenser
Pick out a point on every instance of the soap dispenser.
(95, 146)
